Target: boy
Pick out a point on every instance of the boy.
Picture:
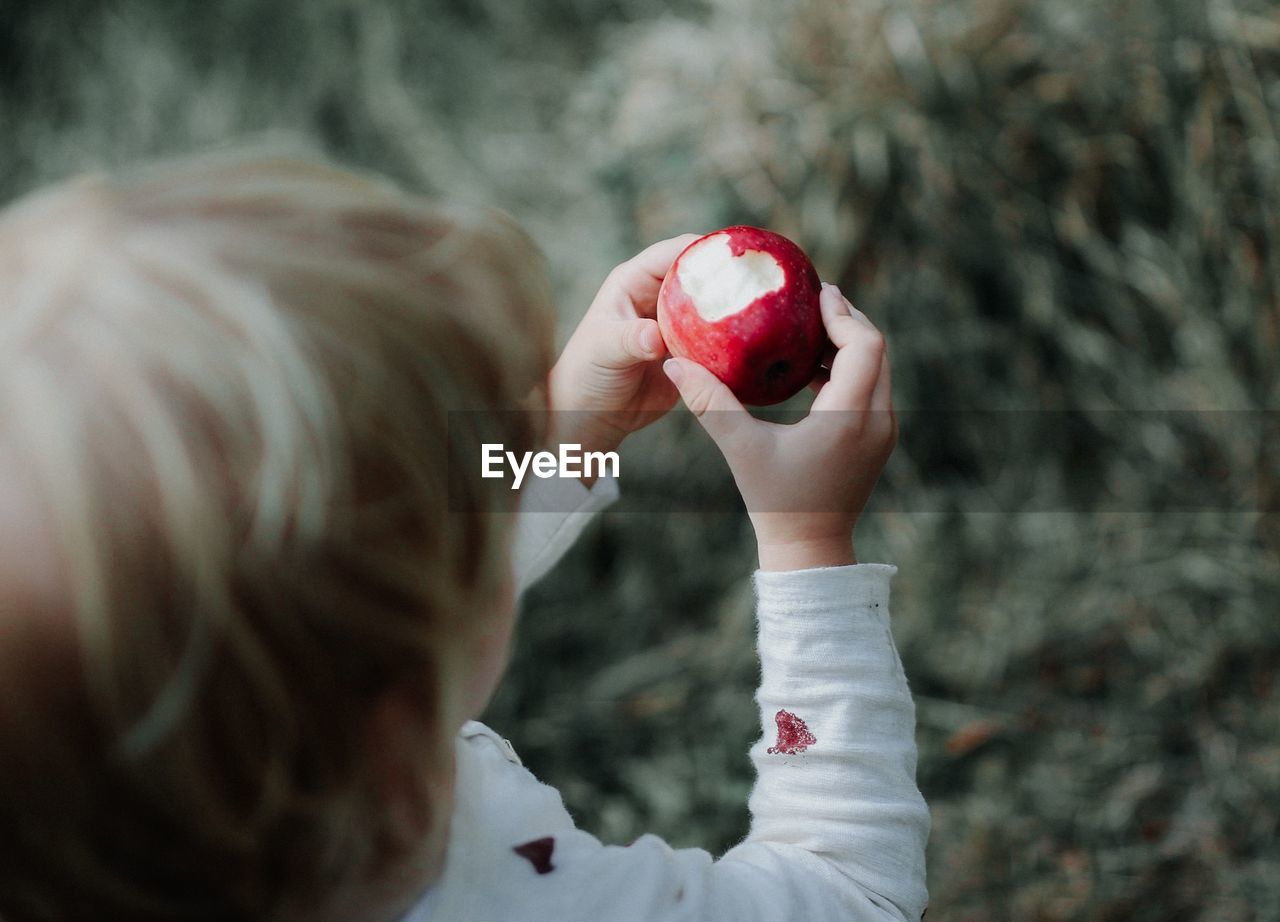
(252, 598)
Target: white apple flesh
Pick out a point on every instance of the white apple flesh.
(743, 303)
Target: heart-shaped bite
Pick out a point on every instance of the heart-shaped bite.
(720, 282)
(743, 303)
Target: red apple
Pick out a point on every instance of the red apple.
(743, 303)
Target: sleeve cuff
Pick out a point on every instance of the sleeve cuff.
(553, 513)
(561, 496)
(824, 590)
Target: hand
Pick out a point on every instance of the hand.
(608, 381)
(806, 484)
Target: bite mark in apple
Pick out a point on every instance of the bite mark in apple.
(793, 735)
(742, 302)
(722, 282)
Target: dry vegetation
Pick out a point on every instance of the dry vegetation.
(1065, 213)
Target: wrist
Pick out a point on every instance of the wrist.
(805, 553)
(802, 540)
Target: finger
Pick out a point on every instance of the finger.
(643, 340)
(860, 349)
(707, 398)
(655, 259)
(882, 394)
(842, 327)
(845, 306)
(854, 374)
(841, 304)
(620, 344)
(632, 287)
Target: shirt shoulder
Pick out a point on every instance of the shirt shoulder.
(474, 733)
(515, 854)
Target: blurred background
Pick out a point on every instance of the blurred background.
(1066, 216)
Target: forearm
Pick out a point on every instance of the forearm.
(849, 796)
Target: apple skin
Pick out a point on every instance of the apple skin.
(768, 350)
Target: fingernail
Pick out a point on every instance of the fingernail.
(671, 368)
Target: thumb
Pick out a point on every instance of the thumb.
(710, 400)
(628, 342)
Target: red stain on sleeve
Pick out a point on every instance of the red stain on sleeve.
(538, 853)
(793, 734)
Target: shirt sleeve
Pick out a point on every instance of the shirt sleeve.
(837, 822)
(553, 513)
(838, 827)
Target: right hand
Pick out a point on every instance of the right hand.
(805, 484)
(606, 384)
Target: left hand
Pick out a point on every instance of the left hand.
(805, 485)
(608, 382)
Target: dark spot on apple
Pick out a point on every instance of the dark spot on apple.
(538, 853)
(777, 370)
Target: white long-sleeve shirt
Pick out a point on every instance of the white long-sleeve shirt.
(838, 827)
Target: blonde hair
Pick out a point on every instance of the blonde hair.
(248, 394)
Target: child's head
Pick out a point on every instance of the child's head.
(239, 527)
